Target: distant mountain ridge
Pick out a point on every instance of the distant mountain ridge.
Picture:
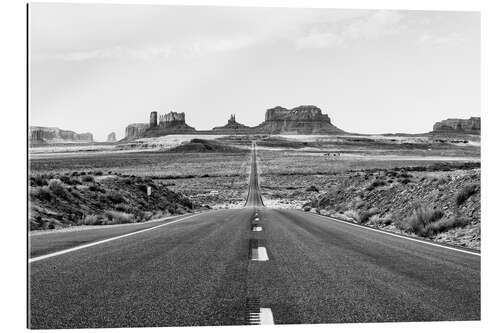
(39, 135)
(304, 119)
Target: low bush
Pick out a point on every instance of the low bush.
(115, 217)
(98, 173)
(96, 188)
(352, 214)
(376, 183)
(420, 222)
(57, 188)
(312, 188)
(39, 180)
(92, 220)
(465, 193)
(41, 193)
(364, 216)
(69, 180)
(87, 178)
(115, 197)
(378, 220)
(446, 224)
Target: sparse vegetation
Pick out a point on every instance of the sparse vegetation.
(104, 201)
(421, 222)
(465, 193)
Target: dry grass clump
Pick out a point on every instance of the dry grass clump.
(378, 220)
(87, 178)
(42, 193)
(376, 183)
(115, 217)
(92, 220)
(466, 192)
(427, 222)
(364, 216)
(57, 188)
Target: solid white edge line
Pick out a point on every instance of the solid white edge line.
(396, 235)
(80, 247)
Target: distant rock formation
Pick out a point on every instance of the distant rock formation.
(231, 126)
(453, 125)
(305, 119)
(111, 137)
(39, 135)
(134, 131)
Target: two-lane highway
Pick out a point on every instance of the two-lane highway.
(254, 265)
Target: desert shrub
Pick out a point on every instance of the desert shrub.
(465, 193)
(69, 180)
(312, 188)
(446, 224)
(41, 193)
(92, 220)
(358, 204)
(98, 173)
(405, 181)
(419, 223)
(96, 188)
(376, 183)
(365, 215)
(123, 207)
(87, 178)
(57, 188)
(116, 217)
(352, 214)
(115, 197)
(405, 175)
(39, 180)
(378, 220)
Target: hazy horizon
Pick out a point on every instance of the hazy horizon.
(99, 67)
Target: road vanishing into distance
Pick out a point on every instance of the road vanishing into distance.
(253, 265)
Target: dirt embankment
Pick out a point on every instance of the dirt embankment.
(94, 198)
(442, 205)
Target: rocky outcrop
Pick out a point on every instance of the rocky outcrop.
(52, 135)
(168, 123)
(174, 120)
(231, 126)
(111, 137)
(305, 119)
(134, 131)
(453, 125)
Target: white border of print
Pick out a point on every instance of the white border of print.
(13, 113)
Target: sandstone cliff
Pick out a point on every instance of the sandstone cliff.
(134, 131)
(111, 137)
(52, 135)
(469, 126)
(305, 119)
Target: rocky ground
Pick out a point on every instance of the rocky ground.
(441, 203)
(59, 200)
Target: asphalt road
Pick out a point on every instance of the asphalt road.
(197, 271)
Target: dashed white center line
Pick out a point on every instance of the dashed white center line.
(257, 228)
(257, 219)
(263, 317)
(259, 254)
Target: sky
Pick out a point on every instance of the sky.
(99, 67)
